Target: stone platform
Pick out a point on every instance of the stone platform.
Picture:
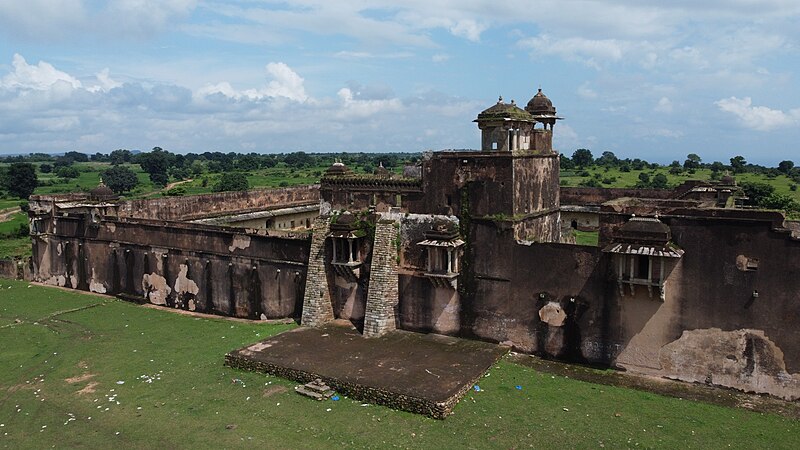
(420, 373)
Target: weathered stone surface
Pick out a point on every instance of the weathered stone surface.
(382, 297)
(317, 306)
(742, 359)
(423, 374)
(552, 314)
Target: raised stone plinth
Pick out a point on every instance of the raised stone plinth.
(420, 373)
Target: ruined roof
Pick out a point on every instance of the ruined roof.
(504, 111)
(102, 192)
(663, 251)
(336, 169)
(643, 230)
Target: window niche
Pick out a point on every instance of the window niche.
(443, 249)
(346, 241)
(643, 256)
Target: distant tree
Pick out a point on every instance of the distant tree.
(180, 173)
(197, 167)
(607, 159)
(232, 181)
(298, 159)
(62, 162)
(120, 179)
(120, 156)
(45, 168)
(156, 164)
(659, 181)
(779, 201)
(675, 170)
(625, 166)
(692, 161)
(566, 163)
(582, 157)
(644, 180)
(20, 180)
(675, 163)
(98, 157)
(756, 192)
(716, 166)
(638, 164)
(785, 166)
(77, 156)
(247, 163)
(68, 172)
(738, 164)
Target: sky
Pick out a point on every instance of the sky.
(644, 79)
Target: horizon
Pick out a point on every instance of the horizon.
(640, 79)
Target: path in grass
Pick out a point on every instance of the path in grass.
(116, 374)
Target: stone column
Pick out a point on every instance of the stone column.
(317, 306)
(382, 296)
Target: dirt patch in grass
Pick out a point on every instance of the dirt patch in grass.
(272, 390)
(671, 388)
(79, 378)
(89, 388)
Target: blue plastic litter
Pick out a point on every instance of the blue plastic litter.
(519, 388)
(335, 398)
(477, 388)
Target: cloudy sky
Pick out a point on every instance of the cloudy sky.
(641, 78)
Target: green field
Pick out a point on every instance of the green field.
(621, 179)
(92, 372)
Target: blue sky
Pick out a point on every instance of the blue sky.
(649, 79)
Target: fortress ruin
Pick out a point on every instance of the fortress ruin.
(470, 244)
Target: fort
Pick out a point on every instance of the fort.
(473, 244)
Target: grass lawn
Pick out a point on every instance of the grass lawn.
(15, 247)
(91, 372)
(586, 237)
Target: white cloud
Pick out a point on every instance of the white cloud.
(41, 76)
(353, 107)
(592, 52)
(285, 83)
(664, 105)
(468, 29)
(760, 118)
(68, 19)
(440, 58)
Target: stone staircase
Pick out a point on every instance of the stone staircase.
(316, 389)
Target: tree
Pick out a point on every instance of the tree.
(45, 168)
(644, 180)
(232, 181)
(716, 166)
(77, 156)
(565, 163)
(21, 179)
(756, 192)
(778, 201)
(785, 167)
(659, 181)
(582, 157)
(692, 161)
(738, 163)
(120, 156)
(607, 159)
(120, 179)
(156, 164)
(68, 172)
